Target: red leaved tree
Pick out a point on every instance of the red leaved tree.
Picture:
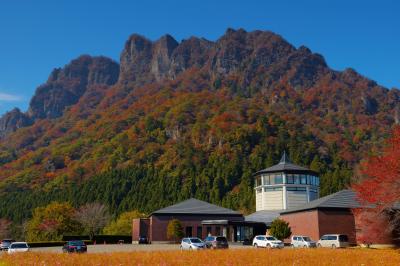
(379, 191)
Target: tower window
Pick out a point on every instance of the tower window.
(296, 189)
(273, 189)
(303, 179)
(289, 179)
(296, 179)
(266, 179)
(278, 179)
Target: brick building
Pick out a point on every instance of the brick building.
(285, 190)
(198, 218)
(333, 215)
(327, 215)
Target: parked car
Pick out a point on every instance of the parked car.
(18, 247)
(5, 244)
(215, 242)
(267, 242)
(333, 241)
(303, 242)
(74, 246)
(143, 240)
(192, 243)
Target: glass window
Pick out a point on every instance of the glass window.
(265, 179)
(278, 179)
(271, 180)
(268, 180)
(296, 179)
(289, 179)
(273, 189)
(309, 179)
(296, 189)
(303, 179)
(317, 181)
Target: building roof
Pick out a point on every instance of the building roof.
(195, 206)
(263, 216)
(285, 165)
(344, 199)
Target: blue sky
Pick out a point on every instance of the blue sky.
(37, 36)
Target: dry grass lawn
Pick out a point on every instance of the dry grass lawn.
(220, 257)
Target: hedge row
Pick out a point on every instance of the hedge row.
(100, 239)
(53, 243)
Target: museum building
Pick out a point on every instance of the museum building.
(285, 190)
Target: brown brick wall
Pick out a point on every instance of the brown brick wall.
(140, 227)
(303, 223)
(337, 222)
(316, 223)
(135, 229)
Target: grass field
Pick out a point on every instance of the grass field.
(219, 257)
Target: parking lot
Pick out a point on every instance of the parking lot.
(129, 248)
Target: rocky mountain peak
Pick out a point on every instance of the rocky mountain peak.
(161, 58)
(13, 120)
(135, 59)
(66, 85)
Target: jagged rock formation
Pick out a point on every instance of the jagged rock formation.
(65, 86)
(258, 60)
(236, 52)
(13, 120)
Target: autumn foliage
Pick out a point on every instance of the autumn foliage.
(379, 190)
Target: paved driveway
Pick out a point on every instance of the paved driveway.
(128, 248)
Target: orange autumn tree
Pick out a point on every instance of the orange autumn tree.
(379, 192)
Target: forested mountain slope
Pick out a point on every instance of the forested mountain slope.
(188, 119)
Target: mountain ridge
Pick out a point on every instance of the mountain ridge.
(190, 118)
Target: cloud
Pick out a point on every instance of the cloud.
(5, 97)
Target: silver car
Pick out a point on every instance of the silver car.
(303, 242)
(333, 241)
(17, 247)
(5, 244)
(192, 243)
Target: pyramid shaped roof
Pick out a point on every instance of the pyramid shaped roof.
(285, 165)
(195, 206)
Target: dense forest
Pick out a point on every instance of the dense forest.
(190, 119)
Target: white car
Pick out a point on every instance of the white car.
(302, 242)
(267, 242)
(18, 247)
(333, 241)
(192, 243)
